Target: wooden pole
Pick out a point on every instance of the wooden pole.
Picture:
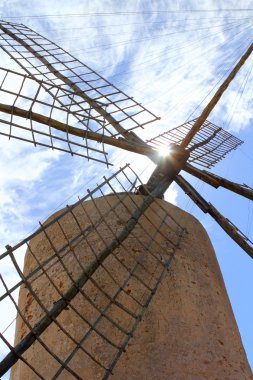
(208, 208)
(217, 181)
(210, 106)
(143, 149)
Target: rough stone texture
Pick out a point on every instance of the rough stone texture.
(188, 332)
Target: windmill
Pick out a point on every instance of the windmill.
(62, 104)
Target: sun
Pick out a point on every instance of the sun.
(164, 151)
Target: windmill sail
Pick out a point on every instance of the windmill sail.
(46, 61)
(99, 286)
(28, 111)
(209, 146)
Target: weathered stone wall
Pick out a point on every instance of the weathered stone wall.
(188, 332)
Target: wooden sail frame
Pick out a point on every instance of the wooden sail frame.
(44, 60)
(209, 145)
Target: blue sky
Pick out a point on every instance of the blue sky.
(171, 59)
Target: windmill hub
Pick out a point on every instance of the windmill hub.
(167, 169)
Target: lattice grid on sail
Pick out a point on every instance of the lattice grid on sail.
(30, 113)
(74, 258)
(209, 146)
(44, 60)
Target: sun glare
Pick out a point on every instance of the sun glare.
(164, 151)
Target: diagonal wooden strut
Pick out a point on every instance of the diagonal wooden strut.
(208, 208)
(215, 99)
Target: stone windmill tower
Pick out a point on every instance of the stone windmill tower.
(120, 262)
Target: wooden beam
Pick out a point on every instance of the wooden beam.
(208, 208)
(143, 149)
(210, 106)
(217, 181)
